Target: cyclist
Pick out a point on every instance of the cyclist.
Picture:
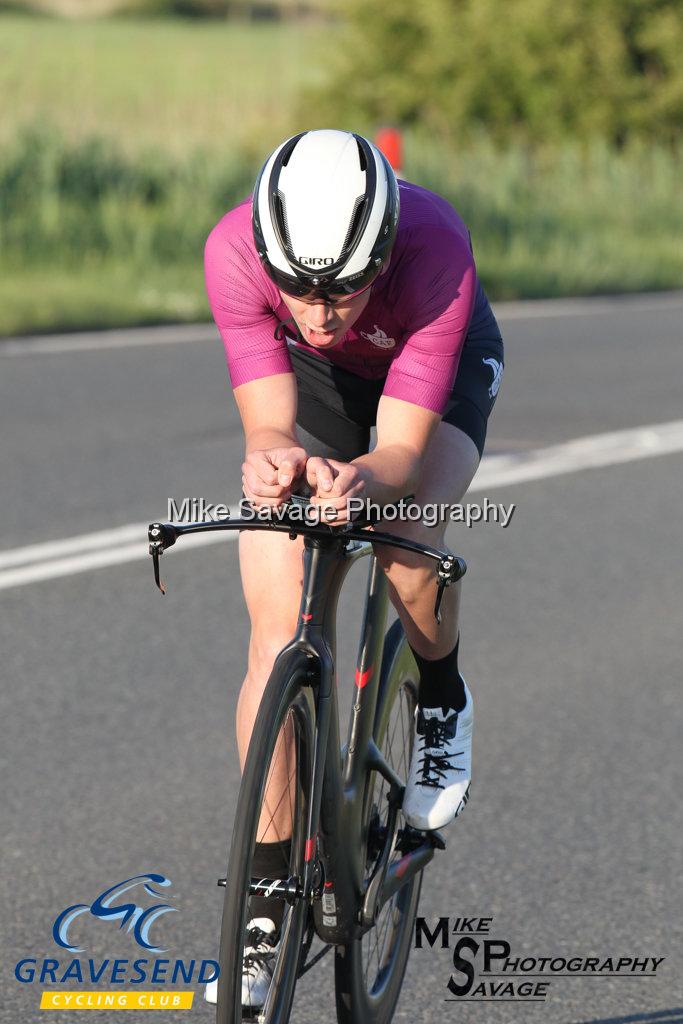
(345, 300)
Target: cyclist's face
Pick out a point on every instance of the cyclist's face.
(323, 324)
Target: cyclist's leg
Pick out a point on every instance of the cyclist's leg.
(325, 426)
(438, 783)
(265, 557)
(449, 466)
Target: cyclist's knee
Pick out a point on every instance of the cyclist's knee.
(408, 578)
(264, 647)
(409, 574)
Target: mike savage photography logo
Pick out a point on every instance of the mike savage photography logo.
(125, 906)
(486, 968)
(193, 510)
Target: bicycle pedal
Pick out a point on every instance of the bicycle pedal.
(254, 1016)
(409, 839)
(437, 840)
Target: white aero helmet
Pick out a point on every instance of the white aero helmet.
(325, 213)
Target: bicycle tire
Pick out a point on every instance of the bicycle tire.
(288, 698)
(361, 997)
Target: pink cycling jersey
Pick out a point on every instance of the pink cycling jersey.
(412, 330)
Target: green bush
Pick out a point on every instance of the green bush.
(529, 70)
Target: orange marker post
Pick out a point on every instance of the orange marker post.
(390, 141)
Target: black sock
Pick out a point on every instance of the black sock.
(271, 860)
(441, 684)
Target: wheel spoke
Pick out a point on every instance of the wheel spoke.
(379, 944)
(270, 822)
(283, 829)
(407, 740)
(390, 747)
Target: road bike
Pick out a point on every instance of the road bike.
(354, 866)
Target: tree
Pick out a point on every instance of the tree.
(530, 69)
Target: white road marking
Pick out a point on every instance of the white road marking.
(71, 545)
(72, 555)
(590, 452)
(95, 341)
(69, 566)
(174, 334)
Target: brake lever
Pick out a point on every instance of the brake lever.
(449, 570)
(155, 551)
(160, 537)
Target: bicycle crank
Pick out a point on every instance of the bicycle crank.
(289, 889)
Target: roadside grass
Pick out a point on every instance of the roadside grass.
(99, 294)
(172, 84)
(123, 142)
(194, 9)
(92, 236)
(574, 219)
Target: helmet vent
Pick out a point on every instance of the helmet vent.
(363, 157)
(356, 220)
(281, 219)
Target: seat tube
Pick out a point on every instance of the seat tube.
(324, 571)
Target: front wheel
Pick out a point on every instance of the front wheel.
(369, 971)
(273, 806)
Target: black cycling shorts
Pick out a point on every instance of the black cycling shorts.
(336, 409)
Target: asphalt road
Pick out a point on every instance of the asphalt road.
(118, 754)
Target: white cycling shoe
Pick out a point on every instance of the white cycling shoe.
(441, 766)
(257, 969)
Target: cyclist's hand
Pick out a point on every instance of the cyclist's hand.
(268, 475)
(333, 484)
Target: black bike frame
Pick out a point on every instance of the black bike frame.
(337, 804)
(348, 906)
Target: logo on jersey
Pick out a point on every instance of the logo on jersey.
(379, 338)
(497, 375)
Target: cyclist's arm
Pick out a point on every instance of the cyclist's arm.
(440, 298)
(273, 459)
(268, 410)
(392, 469)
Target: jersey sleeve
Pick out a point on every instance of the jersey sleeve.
(438, 288)
(241, 308)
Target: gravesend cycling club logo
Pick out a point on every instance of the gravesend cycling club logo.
(123, 907)
(486, 968)
(105, 908)
(379, 338)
